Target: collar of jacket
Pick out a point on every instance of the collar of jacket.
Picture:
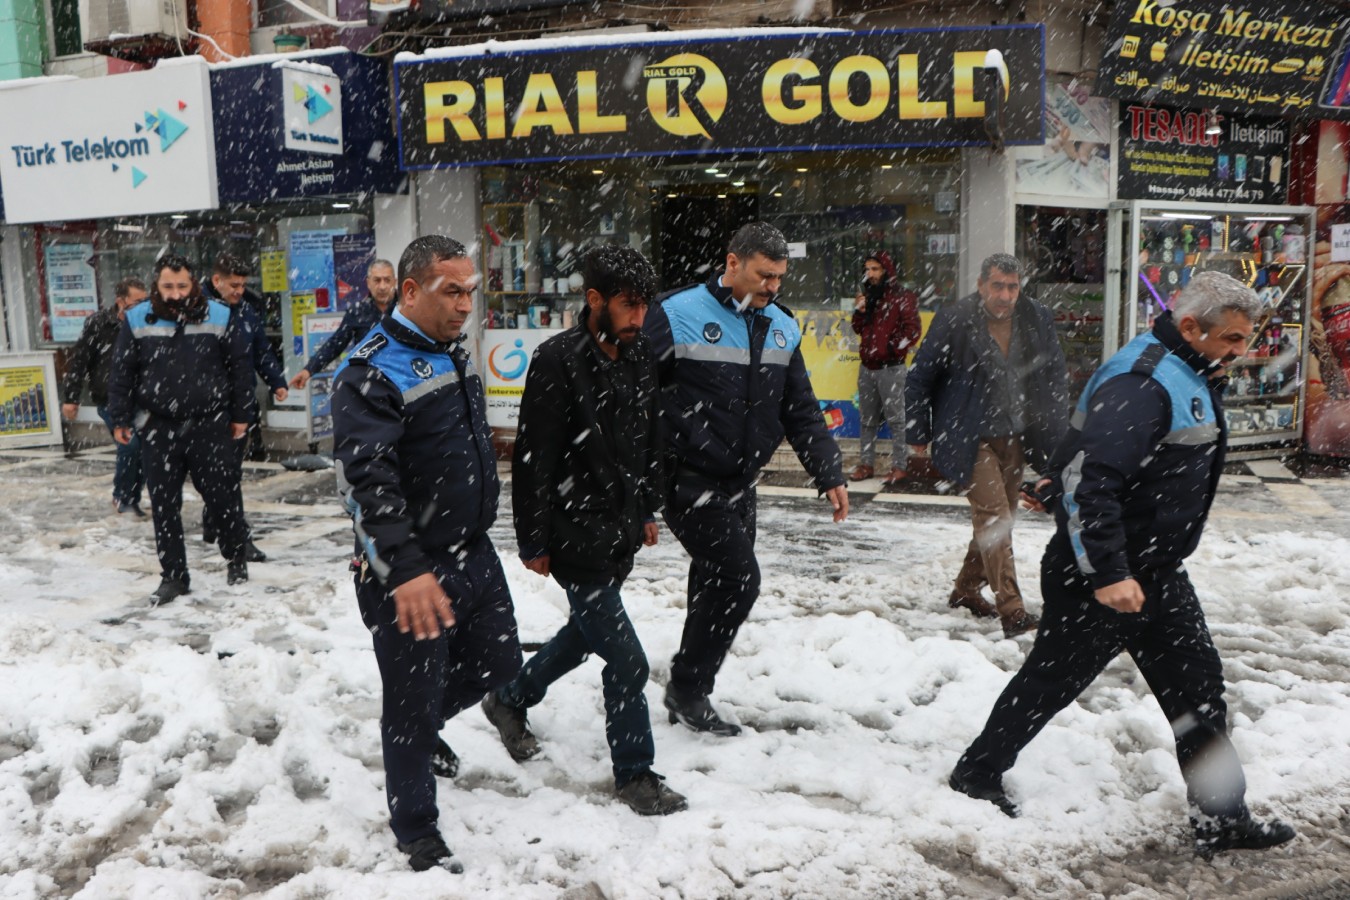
(393, 302)
(1165, 330)
(722, 294)
(405, 335)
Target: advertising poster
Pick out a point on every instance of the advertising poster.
(71, 292)
(309, 266)
(1076, 158)
(319, 409)
(29, 411)
(274, 272)
(1326, 421)
(319, 327)
(1165, 154)
(1255, 57)
(817, 90)
(507, 352)
(352, 255)
(302, 305)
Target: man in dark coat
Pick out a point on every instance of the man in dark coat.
(1131, 487)
(585, 487)
(228, 282)
(181, 377)
(733, 384)
(415, 469)
(91, 360)
(886, 321)
(356, 322)
(989, 390)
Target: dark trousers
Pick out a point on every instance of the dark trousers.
(128, 477)
(599, 624)
(716, 526)
(240, 448)
(1078, 636)
(202, 449)
(426, 683)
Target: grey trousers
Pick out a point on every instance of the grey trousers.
(882, 391)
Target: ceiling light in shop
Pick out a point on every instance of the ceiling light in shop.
(178, 217)
(887, 166)
(721, 196)
(738, 184)
(1172, 215)
(778, 193)
(712, 171)
(1267, 218)
(342, 206)
(722, 175)
(135, 229)
(672, 196)
(597, 171)
(802, 169)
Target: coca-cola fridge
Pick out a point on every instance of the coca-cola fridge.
(1155, 248)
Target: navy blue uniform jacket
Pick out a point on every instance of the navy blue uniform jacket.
(1141, 464)
(413, 450)
(178, 371)
(948, 386)
(356, 324)
(733, 384)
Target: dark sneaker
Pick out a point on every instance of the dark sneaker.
(513, 726)
(978, 606)
(253, 554)
(647, 795)
(1020, 622)
(133, 508)
(698, 714)
(169, 590)
(444, 762)
(430, 852)
(1245, 833)
(237, 571)
(993, 792)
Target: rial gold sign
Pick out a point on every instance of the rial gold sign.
(1285, 59)
(812, 90)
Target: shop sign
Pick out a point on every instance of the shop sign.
(136, 144)
(1261, 58)
(311, 102)
(1340, 243)
(28, 401)
(1166, 155)
(380, 12)
(71, 293)
(508, 352)
(785, 90)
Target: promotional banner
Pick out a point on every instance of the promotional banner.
(319, 409)
(1326, 422)
(93, 148)
(72, 295)
(1076, 160)
(309, 266)
(1165, 154)
(799, 90)
(28, 401)
(273, 265)
(352, 255)
(1259, 58)
(507, 352)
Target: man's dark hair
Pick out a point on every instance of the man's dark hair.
(761, 238)
(173, 262)
(379, 263)
(126, 286)
(614, 269)
(1004, 262)
(425, 252)
(228, 264)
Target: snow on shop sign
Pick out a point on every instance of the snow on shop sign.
(777, 89)
(139, 143)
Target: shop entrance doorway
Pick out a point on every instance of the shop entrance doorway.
(693, 224)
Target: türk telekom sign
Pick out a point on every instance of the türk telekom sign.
(92, 148)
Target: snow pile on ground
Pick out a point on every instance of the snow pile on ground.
(228, 745)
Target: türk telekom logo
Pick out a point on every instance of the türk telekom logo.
(115, 151)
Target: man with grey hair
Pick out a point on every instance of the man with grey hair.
(989, 390)
(355, 322)
(1132, 486)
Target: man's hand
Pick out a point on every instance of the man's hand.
(860, 303)
(538, 565)
(238, 429)
(649, 534)
(122, 435)
(1030, 502)
(281, 394)
(69, 411)
(1123, 596)
(839, 500)
(918, 449)
(301, 379)
(423, 607)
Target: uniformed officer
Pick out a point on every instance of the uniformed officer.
(416, 470)
(181, 375)
(1135, 478)
(734, 384)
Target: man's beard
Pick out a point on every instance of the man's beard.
(604, 325)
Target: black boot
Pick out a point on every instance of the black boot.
(430, 852)
(647, 795)
(1215, 835)
(698, 714)
(982, 790)
(444, 762)
(237, 572)
(209, 533)
(512, 724)
(169, 590)
(252, 553)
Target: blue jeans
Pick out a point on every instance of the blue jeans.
(128, 478)
(599, 624)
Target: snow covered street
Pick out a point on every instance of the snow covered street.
(227, 745)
